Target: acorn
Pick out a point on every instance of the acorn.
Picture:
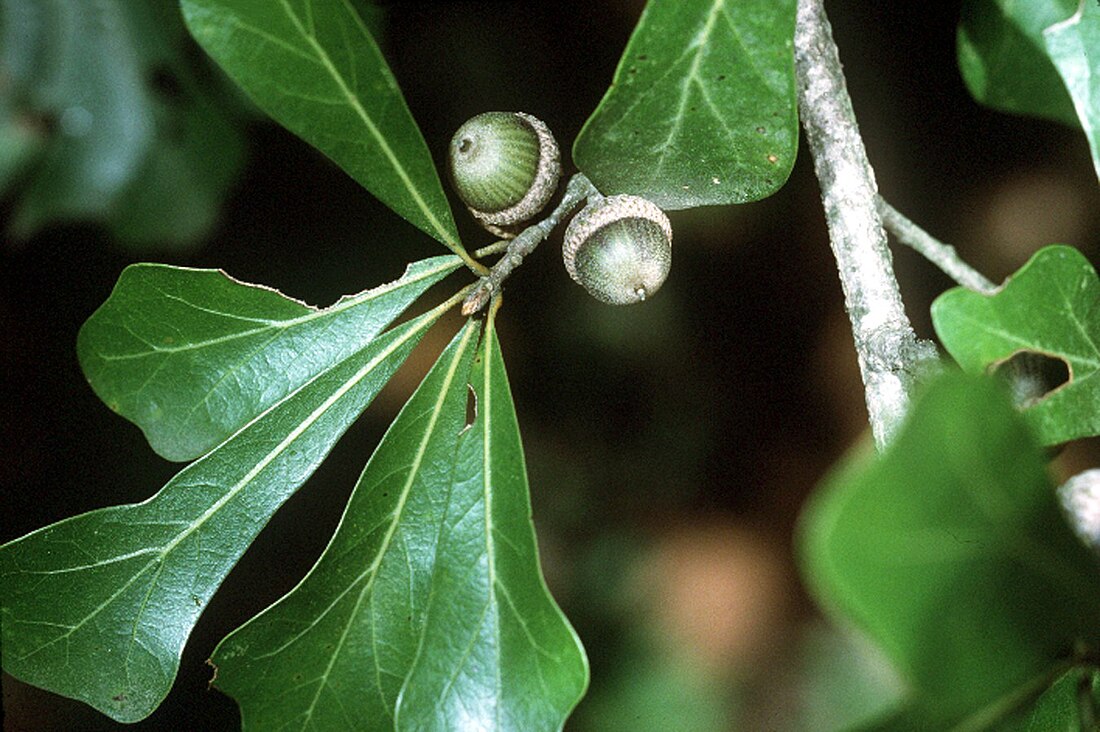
(505, 167)
(619, 248)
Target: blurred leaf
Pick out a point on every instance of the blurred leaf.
(1051, 306)
(1074, 47)
(78, 66)
(702, 108)
(176, 196)
(130, 137)
(1057, 702)
(22, 142)
(1059, 709)
(647, 691)
(191, 356)
(951, 553)
(843, 681)
(1003, 58)
(313, 66)
(429, 594)
(99, 606)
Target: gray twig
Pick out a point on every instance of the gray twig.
(578, 189)
(890, 356)
(935, 251)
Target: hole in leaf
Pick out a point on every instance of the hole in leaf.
(471, 406)
(1031, 376)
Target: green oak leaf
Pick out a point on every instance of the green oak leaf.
(428, 600)
(702, 109)
(495, 651)
(1074, 47)
(333, 652)
(314, 67)
(950, 551)
(98, 607)
(190, 356)
(1051, 306)
(1003, 60)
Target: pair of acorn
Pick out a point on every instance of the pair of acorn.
(505, 167)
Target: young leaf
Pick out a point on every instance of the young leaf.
(1074, 47)
(99, 606)
(1051, 306)
(1003, 61)
(428, 600)
(333, 652)
(702, 108)
(951, 553)
(314, 67)
(495, 650)
(191, 356)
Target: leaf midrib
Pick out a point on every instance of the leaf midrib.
(166, 550)
(269, 324)
(371, 572)
(368, 122)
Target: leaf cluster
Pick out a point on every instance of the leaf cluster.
(428, 608)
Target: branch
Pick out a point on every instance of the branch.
(890, 357)
(578, 189)
(935, 251)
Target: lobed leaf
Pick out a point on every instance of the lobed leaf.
(702, 109)
(1051, 306)
(427, 608)
(314, 67)
(950, 551)
(99, 606)
(191, 356)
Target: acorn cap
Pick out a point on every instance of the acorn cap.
(505, 167)
(619, 248)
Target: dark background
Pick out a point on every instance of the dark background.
(669, 445)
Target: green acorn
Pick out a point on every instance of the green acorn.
(505, 167)
(619, 248)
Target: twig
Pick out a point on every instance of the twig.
(489, 250)
(578, 189)
(935, 251)
(890, 357)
